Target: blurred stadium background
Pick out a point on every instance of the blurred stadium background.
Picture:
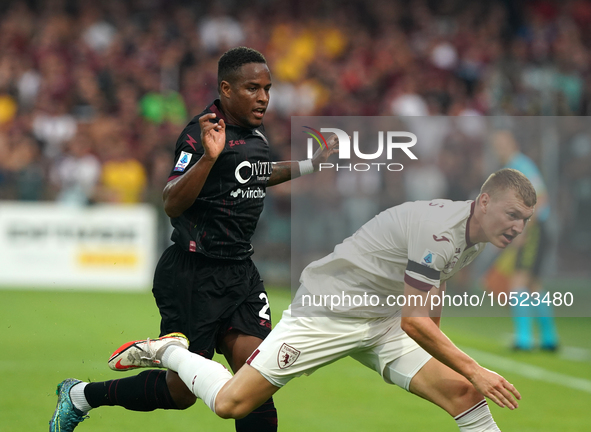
(94, 94)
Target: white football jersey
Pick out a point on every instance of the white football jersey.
(422, 243)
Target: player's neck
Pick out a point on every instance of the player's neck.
(475, 231)
(228, 115)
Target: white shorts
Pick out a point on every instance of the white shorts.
(299, 345)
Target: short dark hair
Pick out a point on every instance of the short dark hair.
(232, 60)
(508, 178)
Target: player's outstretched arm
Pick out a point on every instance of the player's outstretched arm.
(288, 170)
(420, 327)
(180, 193)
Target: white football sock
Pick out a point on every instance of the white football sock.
(477, 419)
(205, 378)
(166, 357)
(78, 398)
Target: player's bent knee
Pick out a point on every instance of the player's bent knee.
(231, 409)
(447, 389)
(185, 401)
(465, 397)
(231, 404)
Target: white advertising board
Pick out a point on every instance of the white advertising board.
(46, 245)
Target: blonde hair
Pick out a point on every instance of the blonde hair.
(509, 178)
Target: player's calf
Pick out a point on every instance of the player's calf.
(455, 394)
(181, 395)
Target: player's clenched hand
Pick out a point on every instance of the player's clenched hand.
(323, 153)
(213, 135)
(496, 388)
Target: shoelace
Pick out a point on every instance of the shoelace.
(150, 353)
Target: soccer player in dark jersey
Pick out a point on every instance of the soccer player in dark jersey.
(205, 284)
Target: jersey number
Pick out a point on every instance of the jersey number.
(263, 312)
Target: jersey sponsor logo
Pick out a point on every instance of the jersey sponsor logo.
(442, 238)
(183, 161)
(287, 356)
(256, 193)
(265, 323)
(428, 258)
(233, 143)
(246, 170)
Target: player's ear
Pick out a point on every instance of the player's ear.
(225, 89)
(484, 201)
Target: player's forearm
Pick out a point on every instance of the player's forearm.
(426, 333)
(179, 194)
(282, 172)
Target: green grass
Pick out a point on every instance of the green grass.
(49, 336)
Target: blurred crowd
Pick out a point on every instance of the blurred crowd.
(94, 94)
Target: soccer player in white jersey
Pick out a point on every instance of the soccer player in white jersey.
(411, 249)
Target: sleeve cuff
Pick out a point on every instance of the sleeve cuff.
(422, 286)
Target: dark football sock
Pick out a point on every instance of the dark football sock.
(262, 419)
(146, 391)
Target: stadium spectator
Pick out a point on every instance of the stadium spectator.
(123, 177)
(122, 59)
(76, 175)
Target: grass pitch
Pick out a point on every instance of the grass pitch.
(49, 336)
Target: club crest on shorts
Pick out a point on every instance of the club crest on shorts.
(287, 356)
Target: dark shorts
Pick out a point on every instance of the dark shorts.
(530, 256)
(205, 298)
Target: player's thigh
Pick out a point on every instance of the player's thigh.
(252, 314)
(444, 387)
(392, 353)
(171, 289)
(237, 348)
(249, 323)
(401, 361)
(201, 303)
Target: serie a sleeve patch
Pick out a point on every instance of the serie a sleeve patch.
(183, 161)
